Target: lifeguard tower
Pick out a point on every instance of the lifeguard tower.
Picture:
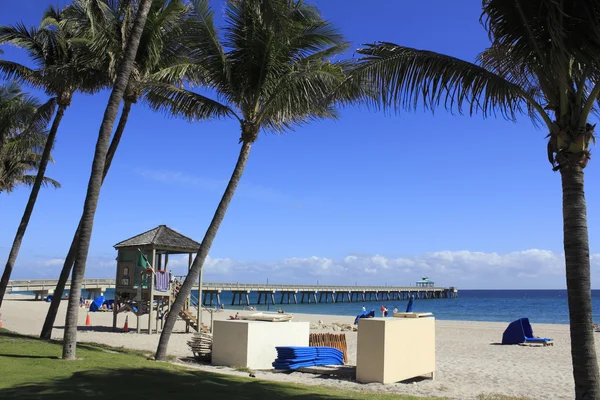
(144, 285)
(425, 282)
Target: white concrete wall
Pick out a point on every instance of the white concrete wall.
(395, 349)
(252, 344)
(230, 343)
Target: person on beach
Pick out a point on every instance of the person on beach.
(81, 301)
(382, 310)
(385, 311)
(395, 310)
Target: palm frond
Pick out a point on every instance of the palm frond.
(184, 103)
(206, 49)
(301, 96)
(406, 77)
(28, 180)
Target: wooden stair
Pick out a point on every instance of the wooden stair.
(191, 320)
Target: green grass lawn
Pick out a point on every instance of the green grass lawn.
(32, 369)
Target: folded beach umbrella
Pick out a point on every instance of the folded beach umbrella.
(410, 304)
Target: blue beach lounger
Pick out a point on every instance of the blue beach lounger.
(520, 331)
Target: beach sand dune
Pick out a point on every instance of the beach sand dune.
(469, 359)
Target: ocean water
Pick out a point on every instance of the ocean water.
(540, 306)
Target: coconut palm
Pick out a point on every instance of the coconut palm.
(59, 71)
(126, 66)
(161, 61)
(23, 122)
(271, 70)
(543, 61)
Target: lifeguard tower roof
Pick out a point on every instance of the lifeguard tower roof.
(425, 282)
(161, 238)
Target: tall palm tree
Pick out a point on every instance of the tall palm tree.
(124, 70)
(23, 122)
(543, 61)
(59, 71)
(161, 61)
(271, 70)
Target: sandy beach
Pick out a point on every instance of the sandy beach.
(469, 360)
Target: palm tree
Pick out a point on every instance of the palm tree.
(93, 191)
(60, 72)
(161, 61)
(271, 70)
(543, 61)
(23, 122)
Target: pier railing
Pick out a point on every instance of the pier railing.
(266, 292)
(24, 284)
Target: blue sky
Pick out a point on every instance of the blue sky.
(470, 202)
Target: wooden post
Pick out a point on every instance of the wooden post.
(151, 294)
(157, 313)
(116, 296)
(115, 310)
(200, 277)
(272, 297)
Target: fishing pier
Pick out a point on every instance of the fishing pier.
(249, 294)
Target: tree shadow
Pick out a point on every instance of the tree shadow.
(152, 383)
(26, 356)
(24, 299)
(8, 334)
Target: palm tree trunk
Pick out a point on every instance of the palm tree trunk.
(35, 190)
(577, 260)
(95, 183)
(190, 279)
(68, 264)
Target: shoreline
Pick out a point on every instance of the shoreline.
(468, 360)
(29, 297)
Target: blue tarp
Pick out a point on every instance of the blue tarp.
(96, 304)
(364, 314)
(520, 331)
(290, 358)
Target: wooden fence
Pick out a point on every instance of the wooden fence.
(337, 341)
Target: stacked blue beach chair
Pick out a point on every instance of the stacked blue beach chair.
(291, 358)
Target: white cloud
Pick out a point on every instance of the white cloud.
(216, 186)
(533, 268)
(53, 262)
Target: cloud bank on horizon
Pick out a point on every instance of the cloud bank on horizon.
(527, 269)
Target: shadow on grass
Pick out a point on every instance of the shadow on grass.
(24, 356)
(154, 383)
